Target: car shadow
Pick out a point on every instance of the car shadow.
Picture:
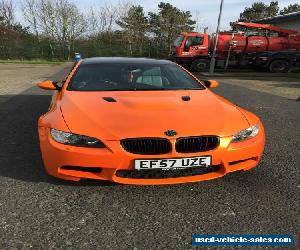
(19, 146)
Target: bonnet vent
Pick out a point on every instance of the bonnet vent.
(109, 99)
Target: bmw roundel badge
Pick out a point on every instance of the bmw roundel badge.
(170, 133)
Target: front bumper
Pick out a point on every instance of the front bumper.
(228, 157)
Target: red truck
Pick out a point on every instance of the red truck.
(261, 45)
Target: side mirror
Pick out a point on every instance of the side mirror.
(48, 85)
(211, 83)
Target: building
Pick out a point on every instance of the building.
(288, 21)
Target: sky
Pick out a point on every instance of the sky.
(205, 11)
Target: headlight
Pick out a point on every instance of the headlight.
(75, 140)
(245, 134)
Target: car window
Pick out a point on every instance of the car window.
(152, 76)
(197, 40)
(140, 76)
(178, 40)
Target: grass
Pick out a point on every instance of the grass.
(32, 62)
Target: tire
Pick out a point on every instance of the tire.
(200, 65)
(279, 66)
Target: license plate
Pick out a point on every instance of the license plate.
(166, 164)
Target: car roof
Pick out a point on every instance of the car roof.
(99, 60)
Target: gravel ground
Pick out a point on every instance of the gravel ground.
(280, 87)
(15, 78)
(40, 212)
(284, 85)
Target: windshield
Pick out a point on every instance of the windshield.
(129, 76)
(178, 41)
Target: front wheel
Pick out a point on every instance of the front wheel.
(200, 65)
(279, 66)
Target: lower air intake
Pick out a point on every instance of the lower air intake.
(163, 174)
(82, 169)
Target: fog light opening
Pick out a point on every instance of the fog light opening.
(95, 170)
(240, 161)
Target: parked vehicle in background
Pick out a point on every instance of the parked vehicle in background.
(279, 47)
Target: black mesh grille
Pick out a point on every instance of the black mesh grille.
(196, 144)
(162, 174)
(147, 146)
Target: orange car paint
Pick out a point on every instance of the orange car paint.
(48, 85)
(147, 114)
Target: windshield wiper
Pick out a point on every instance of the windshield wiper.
(139, 89)
(191, 88)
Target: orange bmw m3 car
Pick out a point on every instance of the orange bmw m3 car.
(144, 121)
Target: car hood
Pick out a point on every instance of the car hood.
(150, 113)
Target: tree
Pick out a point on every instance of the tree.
(7, 13)
(259, 10)
(58, 27)
(12, 34)
(168, 23)
(7, 17)
(101, 19)
(289, 9)
(30, 10)
(134, 25)
(58, 20)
